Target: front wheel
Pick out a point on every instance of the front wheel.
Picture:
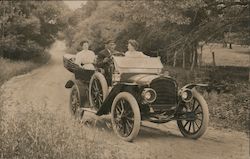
(195, 117)
(126, 117)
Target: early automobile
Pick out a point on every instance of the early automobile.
(138, 91)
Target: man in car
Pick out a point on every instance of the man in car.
(104, 55)
(104, 59)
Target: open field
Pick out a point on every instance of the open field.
(238, 56)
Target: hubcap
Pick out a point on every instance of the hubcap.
(192, 117)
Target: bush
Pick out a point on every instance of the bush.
(227, 95)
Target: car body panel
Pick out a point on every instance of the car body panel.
(146, 65)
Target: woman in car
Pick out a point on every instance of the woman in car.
(85, 58)
(132, 49)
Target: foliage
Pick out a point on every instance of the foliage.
(28, 27)
(161, 27)
(99, 25)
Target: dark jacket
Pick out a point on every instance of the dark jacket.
(101, 56)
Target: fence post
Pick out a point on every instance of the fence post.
(213, 59)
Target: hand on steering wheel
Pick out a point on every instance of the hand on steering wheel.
(106, 59)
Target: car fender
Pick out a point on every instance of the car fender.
(121, 87)
(191, 87)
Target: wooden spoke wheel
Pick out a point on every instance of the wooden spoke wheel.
(126, 117)
(98, 90)
(195, 117)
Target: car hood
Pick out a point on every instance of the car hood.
(142, 79)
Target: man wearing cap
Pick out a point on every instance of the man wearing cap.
(103, 58)
(104, 55)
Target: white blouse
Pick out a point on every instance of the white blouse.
(85, 59)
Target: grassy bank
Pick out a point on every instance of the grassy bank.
(227, 94)
(10, 68)
(40, 134)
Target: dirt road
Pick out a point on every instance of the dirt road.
(44, 87)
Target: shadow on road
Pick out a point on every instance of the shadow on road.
(146, 132)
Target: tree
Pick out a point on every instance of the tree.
(171, 29)
(27, 27)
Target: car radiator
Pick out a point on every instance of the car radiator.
(166, 90)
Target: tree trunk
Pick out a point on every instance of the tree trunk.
(200, 57)
(184, 59)
(193, 59)
(175, 56)
(194, 56)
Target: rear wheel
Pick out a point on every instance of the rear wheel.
(196, 117)
(126, 117)
(98, 90)
(74, 105)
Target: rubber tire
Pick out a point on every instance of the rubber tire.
(79, 113)
(103, 83)
(137, 115)
(205, 119)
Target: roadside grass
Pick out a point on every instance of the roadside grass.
(228, 92)
(40, 134)
(10, 68)
(227, 96)
(228, 99)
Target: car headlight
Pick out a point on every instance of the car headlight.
(148, 95)
(187, 95)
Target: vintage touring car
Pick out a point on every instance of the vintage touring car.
(137, 91)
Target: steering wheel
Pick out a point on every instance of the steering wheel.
(110, 57)
(118, 54)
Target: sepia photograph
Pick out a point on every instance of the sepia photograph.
(125, 79)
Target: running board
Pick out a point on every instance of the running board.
(89, 110)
